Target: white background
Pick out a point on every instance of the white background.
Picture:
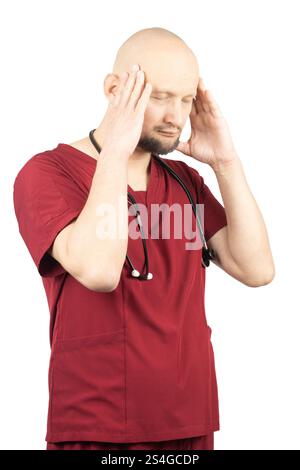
(55, 56)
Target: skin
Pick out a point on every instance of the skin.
(169, 64)
(242, 247)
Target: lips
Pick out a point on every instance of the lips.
(168, 133)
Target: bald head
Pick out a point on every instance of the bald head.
(167, 61)
(172, 69)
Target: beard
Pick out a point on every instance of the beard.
(162, 147)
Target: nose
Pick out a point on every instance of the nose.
(173, 117)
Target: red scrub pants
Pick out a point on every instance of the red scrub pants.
(205, 442)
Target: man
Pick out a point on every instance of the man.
(132, 364)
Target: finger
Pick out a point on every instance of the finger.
(144, 99)
(212, 105)
(205, 98)
(201, 85)
(136, 92)
(194, 109)
(200, 97)
(128, 88)
(198, 105)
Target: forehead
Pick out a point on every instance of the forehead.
(169, 92)
(172, 74)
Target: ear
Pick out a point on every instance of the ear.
(110, 85)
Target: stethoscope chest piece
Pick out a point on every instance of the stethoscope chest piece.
(207, 255)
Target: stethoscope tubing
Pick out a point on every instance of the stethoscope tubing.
(207, 254)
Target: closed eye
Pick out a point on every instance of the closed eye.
(157, 98)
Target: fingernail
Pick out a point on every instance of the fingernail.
(135, 67)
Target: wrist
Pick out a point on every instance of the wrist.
(223, 166)
(114, 153)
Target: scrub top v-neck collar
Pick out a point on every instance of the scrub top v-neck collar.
(154, 188)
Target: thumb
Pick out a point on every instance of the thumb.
(183, 147)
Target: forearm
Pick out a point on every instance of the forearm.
(102, 255)
(247, 239)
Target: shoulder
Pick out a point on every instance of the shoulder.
(41, 165)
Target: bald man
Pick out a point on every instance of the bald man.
(172, 69)
(132, 364)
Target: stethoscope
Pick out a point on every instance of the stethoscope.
(207, 253)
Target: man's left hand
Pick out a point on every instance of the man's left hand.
(210, 140)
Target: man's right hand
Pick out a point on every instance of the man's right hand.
(123, 120)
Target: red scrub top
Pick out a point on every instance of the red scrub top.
(135, 364)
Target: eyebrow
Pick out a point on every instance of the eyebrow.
(156, 90)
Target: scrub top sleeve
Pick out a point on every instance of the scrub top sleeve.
(213, 211)
(45, 201)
